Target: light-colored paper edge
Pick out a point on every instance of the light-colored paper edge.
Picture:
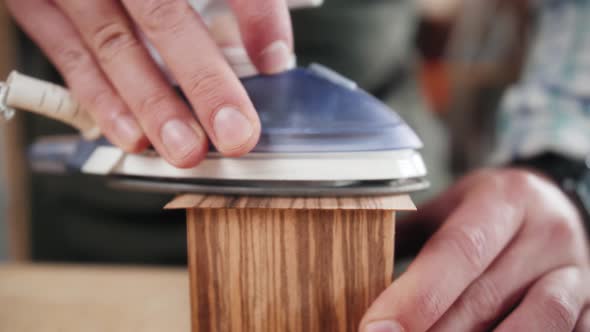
(402, 202)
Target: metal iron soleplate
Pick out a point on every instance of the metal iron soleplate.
(270, 188)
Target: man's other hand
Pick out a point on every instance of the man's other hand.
(510, 254)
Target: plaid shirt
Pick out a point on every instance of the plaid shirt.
(549, 109)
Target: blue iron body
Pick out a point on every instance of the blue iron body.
(304, 110)
(316, 110)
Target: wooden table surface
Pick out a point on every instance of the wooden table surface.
(93, 298)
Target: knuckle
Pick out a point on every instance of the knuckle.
(111, 38)
(72, 59)
(518, 181)
(559, 312)
(205, 86)
(101, 100)
(493, 182)
(150, 108)
(512, 186)
(430, 306)
(164, 15)
(257, 17)
(471, 245)
(561, 230)
(482, 300)
(105, 108)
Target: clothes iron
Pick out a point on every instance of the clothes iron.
(321, 136)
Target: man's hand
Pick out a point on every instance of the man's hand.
(511, 254)
(96, 46)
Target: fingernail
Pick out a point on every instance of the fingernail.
(127, 130)
(232, 128)
(276, 57)
(179, 138)
(384, 326)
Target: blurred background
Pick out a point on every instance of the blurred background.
(7, 61)
(442, 64)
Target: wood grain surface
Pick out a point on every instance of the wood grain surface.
(52, 298)
(298, 270)
(389, 202)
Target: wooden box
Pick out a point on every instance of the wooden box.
(287, 264)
